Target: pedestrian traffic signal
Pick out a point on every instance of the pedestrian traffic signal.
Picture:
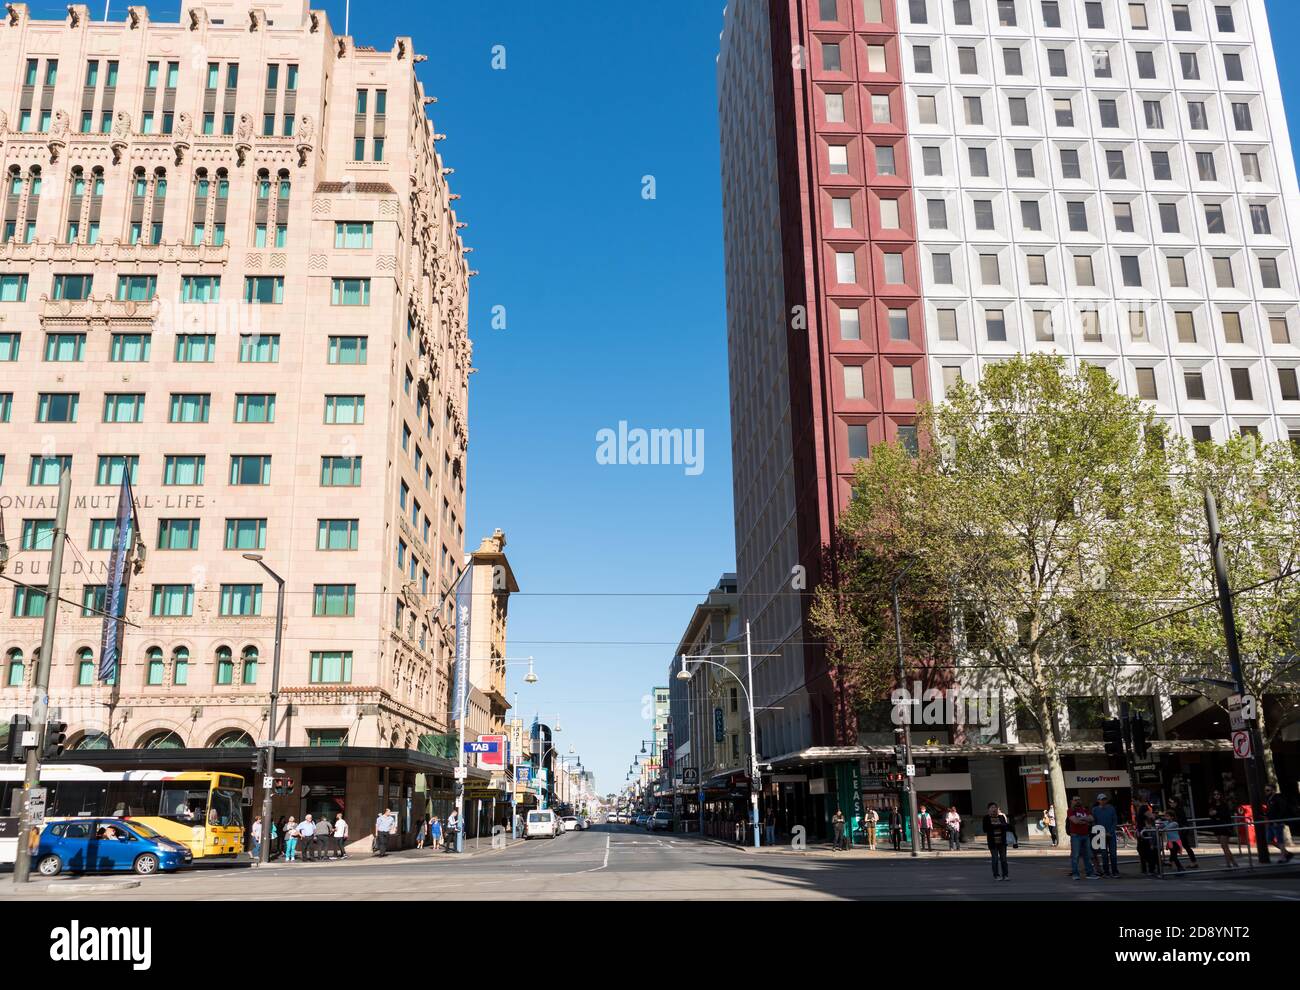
(283, 785)
(1139, 727)
(14, 752)
(56, 733)
(1112, 733)
(259, 762)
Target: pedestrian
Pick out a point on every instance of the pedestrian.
(1105, 815)
(435, 832)
(997, 832)
(421, 832)
(1275, 821)
(1169, 834)
(873, 819)
(837, 824)
(256, 832)
(1049, 820)
(291, 840)
(1078, 826)
(1179, 812)
(769, 826)
(453, 826)
(1144, 821)
(383, 825)
(341, 835)
(324, 837)
(1220, 815)
(953, 821)
(925, 823)
(896, 827)
(281, 834)
(307, 837)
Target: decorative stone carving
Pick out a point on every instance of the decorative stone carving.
(121, 135)
(305, 132)
(243, 138)
(314, 16)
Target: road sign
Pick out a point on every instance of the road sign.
(36, 805)
(267, 783)
(1241, 748)
(462, 773)
(523, 773)
(911, 769)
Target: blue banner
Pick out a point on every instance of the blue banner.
(117, 579)
(460, 683)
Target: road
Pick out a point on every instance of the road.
(617, 862)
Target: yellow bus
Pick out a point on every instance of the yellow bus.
(201, 810)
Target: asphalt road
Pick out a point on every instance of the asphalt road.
(618, 862)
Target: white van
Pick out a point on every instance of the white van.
(545, 824)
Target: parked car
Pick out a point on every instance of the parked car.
(542, 825)
(661, 821)
(85, 845)
(570, 823)
(641, 820)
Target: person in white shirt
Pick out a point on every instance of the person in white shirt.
(384, 824)
(341, 836)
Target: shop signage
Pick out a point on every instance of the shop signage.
(496, 755)
(718, 725)
(1035, 771)
(1100, 779)
(690, 776)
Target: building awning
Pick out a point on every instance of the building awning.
(240, 759)
(727, 781)
(843, 754)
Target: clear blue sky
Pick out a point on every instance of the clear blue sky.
(615, 311)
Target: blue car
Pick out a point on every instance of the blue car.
(86, 845)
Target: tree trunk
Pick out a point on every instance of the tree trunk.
(1265, 744)
(1051, 750)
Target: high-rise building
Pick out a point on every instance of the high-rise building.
(183, 200)
(916, 188)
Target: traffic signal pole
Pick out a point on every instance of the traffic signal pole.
(41, 700)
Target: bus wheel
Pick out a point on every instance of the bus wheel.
(145, 864)
(49, 866)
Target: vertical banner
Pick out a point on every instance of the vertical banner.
(117, 579)
(460, 682)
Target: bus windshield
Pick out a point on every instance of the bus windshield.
(184, 801)
(226, 808)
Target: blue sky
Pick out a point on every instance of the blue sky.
(615, 311)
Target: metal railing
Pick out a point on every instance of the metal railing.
(1239, 831)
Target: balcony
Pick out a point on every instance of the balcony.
(115, 252)
(98, 311)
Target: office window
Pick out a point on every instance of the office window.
(259, 348)
(201, 288)
(1036, 266)
(354, 235)
(1077, 215)
(45, 470)
(990, 271)
(885, 160)
(1232, 67)
(337, 534)
(1018, 111)
(1137, 326)
(888, 214)
(239, 599)
(1064, 112)
(1182, 17)
(1056, 62)
(893, 269)
(932, 161)
(853, 384)
(350, 292)
(178, 534)
(831, 57)
(38, 534)
(850, 325)
(331, 667)
(1115, 166)
(898, 325)
(926, 110)
(136, 288)
(1160, 169)
(983, 214)
(947, 323)
(1101, 63)
(1007, 13)
(961, 12)
(995, 325)
(838, 159)
(826, 10)
(1146, 64)
(967, 64)
(1130, 269)
(1194, 383)
(1146, 383)
(834, 108)
(842, 212)
(1029, 215)
(340, 471)
(1051, 14)
(189, 407)
(1083, 274)
(72, 287)
(345, 409)
(1232, 333)
(245, 534)
(13, 288)
(124, 407)
(1185, 325)
(1137, 14)
(65, 347)
(129, 347)
(196, 347)
(1280, 330)
(846, 272)
(876, 58)
(335, 600)
(264, 289)
(1259, 220)
(1043, 331)
(173, 600)
(1108, 112)
(1197, 118)
(922, 60)
(1070, 168)
(1090, 325)
(1205, 166)
(979, 162)
(57, 407)
(951, 377)
(1154, 114)
(1191, 67)
(1241, 387)
(859, 448)
(183, 469)
(1269, 275)
(1214, 223)
(1169, 217)
(1011, 62)
(9, 344)
(903, 388)
(255, 407)
(347, 350)
(974, 107)
(250, 469)
(1123, 213)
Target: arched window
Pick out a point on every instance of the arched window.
(16, 670)
(225, 665)
(180, 666)
(163, 739)
(156, 668)
(250, 658)
(85, 667)
(93, 740)
(233, 739)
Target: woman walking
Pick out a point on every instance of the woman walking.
(998, 831)
(1049, 819)
(1220, 814)
(291, 840)
(422, 832)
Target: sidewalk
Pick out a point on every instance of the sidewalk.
(969, 850)
(400, 855)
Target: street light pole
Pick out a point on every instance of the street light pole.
(264, 847)
(908, 767)
(1254, 765)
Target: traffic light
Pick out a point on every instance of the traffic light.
(283, 785)
(56, 733)
(14, 752)
(1112, 733)
(1139, 727)
(259, 762)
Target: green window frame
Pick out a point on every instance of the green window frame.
(46, 470)
(189, 407)
(350, 292)
(65, 347)
(123, 407)
(347, 350)
(354, 235)
(57, 407)
(172, 600)
(29, 603)
(255, 407)
(250, 469)
(183, 469)
(241, 599)
(245, 534)
(225, 658)
(337, 534)
(155, 667)
(130, 347)
(201, 289)
(13, 288)
(196, 348)
(263, 348)
(250, 659)
(109, 468)
(178, 534)
(38, 534)
(136, 288)
(264, 289)
(345, 410)
(337, 471)
(335, 600)
(9, 346)
(331, 666)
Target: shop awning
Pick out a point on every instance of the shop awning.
(841, 754)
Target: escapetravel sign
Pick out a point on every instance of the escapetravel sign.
(1096, 778)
